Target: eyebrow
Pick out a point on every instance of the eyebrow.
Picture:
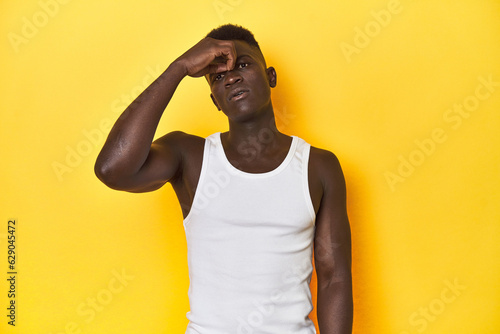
(242, 56)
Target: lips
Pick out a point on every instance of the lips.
(236, 93)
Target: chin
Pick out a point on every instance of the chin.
(246, 111)
(243, 114)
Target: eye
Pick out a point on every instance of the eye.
(242, 65)
(218, 77)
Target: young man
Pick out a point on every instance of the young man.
(254, 199)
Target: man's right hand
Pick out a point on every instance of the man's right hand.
(208, 56)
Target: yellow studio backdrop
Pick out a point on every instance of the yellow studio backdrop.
(405, 92)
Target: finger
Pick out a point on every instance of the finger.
(231, 57)
(228, 53)
(214, 68)
(200, 73)
(221, 67)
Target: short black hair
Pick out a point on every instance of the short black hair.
(228, 32)
(234, 32)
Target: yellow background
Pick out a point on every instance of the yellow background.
(415, 231)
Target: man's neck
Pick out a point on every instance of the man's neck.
(260, 133)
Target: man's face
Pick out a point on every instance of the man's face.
(245, 90)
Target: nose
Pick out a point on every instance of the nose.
(231, 78)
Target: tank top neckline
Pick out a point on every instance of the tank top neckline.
(281, 166)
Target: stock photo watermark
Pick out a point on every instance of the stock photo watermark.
(364, 36)
(249, 149)
(453, 117)
(31, 25)
(223, 6)
(88, 310)
(12, 271)
(95, 137)
(429, 313)
(296, 274)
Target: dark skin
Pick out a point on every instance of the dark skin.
(131, 161)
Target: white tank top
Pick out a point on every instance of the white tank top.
(249, 239)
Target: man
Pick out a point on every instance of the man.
(250, 215)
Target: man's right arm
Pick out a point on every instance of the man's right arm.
(129, 160)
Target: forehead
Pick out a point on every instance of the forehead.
(245, 49)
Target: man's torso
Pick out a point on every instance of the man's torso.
(191, 149)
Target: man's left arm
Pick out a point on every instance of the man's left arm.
(332, 250)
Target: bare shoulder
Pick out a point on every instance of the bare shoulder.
(326, 166)
(187, 149)
(185, 146)
(323, 161)
(179, 139)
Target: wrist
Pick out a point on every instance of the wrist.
(178, 68)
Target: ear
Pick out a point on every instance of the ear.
(271, 75)
(215, 102)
